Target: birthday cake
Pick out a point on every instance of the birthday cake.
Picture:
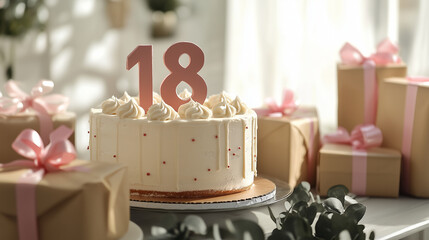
(199, 150)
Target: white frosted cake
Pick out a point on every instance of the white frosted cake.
(200, 150)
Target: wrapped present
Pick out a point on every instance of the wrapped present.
(359, 163)
(358, 81)
(53, 196)
(288, 141)
(36, 110)
(403, 116)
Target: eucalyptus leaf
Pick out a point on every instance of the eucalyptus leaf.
(216, 232)
(339, 192)
(272, 215)
(355, 211)
(344, 235)
(334, 205)
(281, 235)
(324, 227)
(311, 213)
(195, 224)
(287, 205)
(372, 235)
(157, 231)
(242, 226)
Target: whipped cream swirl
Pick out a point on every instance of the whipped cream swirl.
(224, 109)
(131, 109)
(110, 105)
(240, 106)
(194, 110)
(213, 100)
(162, 112)
(125, 98)
(185, 94)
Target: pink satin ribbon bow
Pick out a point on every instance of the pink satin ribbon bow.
(407, 132)
(362, 138)
(286, 107)
(386, 53)
(40, 160)
(38, 100)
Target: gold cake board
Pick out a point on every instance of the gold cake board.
(261, 191)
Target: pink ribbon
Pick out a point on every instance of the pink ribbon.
(40, 160)
(43, 104)
(363, 137)
(286, 107)
(407, 134)
(386, 53)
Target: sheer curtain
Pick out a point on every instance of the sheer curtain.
(278, 44)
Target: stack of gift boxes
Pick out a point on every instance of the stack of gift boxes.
(45, 192)
(381, 146)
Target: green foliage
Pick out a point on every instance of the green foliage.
(194, 227)
(162, 5)
(336, 217)
(19, 16)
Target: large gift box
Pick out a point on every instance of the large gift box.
(359, 78)
(373, 172)
(52, 196)
(36, 110)
(288, 145)
(403, 116)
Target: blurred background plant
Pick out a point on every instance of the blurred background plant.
(164, 17)
(18, 17)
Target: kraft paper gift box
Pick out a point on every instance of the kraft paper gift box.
(91, 203)
(403, 116)
(38, 110)
(358, 82)
(288, 145)
(380, 178)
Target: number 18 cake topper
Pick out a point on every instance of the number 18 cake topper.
(142, 55)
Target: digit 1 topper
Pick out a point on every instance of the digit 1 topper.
(177, 74)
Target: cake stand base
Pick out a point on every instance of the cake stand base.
(261, 191)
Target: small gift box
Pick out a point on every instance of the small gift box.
(358, 81)
(288, 141)
(57, 197)
(356, 162)
(36, 110)
(403, 116)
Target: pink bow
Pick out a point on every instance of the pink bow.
(287, 106)
(40, 160)
(60, 151)
(386, 53)
(43, 104)
(362, 137)
(37, 99)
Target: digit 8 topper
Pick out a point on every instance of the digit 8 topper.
(187, 74)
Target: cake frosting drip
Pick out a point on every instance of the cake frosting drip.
(224, 109)
(185, 94)
(110, 105)
(161, 112)
(213, 100)
(125, 98)
(194, 110)
(239, 106)
(131, 109)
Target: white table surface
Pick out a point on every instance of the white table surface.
(389, 218)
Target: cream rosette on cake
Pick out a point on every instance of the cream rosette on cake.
(202, 149)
